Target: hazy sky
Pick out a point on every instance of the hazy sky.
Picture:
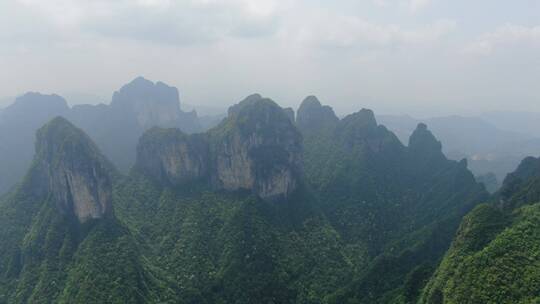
(415, 56)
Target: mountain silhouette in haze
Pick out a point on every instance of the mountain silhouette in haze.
(116, 128)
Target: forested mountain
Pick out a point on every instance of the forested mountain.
(115, 128)
(489, 146)
(60, 240)
(262, 208)
(495, 257)
(395, 207)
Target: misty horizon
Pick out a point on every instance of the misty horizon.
(416, 57)
(209, 108)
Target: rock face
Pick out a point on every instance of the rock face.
(76, 173)
(256, 148)
(172, 156)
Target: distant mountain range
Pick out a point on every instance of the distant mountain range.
(116, 128)
(489, 148)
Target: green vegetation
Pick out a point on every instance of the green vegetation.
(223, 248)
(495, 257)
(491, 262)
(369, 223)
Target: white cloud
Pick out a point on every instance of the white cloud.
(354, 32)
(418, 5)
(413, 6)
(170, 22)
(505, 36)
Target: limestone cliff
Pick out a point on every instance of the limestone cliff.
(76, 174)
(256, 148)
(173, 157)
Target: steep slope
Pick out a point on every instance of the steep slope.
(395, 207)
(60, 240)
(495, 256)
(257, 148)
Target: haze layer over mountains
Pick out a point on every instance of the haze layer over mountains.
(493, 143)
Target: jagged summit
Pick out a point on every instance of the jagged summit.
(259, 114)
(77, 175)
(423, 141)
(312, 116)
(256, 148)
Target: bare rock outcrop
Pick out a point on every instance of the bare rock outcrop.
(77, 175)
(256, 148)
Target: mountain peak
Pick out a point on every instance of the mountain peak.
(364, 118)
(422, 140)
(35, 102)
(311, 101)
(257, 148)
(313, 116)
(77, 175)
(249, 100)
(151, 103)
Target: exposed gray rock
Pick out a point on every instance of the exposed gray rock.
(76, 173)
(256, 148)
(172, 156)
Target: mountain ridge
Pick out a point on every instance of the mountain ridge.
(116, 127)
